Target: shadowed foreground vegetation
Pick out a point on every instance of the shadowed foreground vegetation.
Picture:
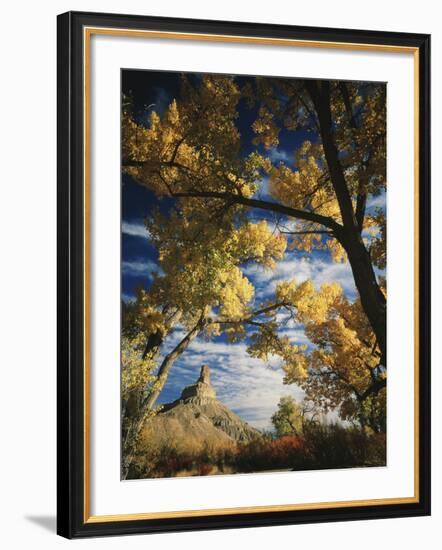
(322, 446)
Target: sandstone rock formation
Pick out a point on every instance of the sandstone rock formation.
(196, 421)
(200, 393)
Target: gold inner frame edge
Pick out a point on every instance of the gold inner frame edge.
(134, 33)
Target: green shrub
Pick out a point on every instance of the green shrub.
(336, 446)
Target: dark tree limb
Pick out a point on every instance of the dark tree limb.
(264, 205)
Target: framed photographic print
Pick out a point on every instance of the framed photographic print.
(243, 274)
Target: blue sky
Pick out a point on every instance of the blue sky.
(248, 386)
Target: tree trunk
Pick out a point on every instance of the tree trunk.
(372, 299)
(134, 402)
(168, 361)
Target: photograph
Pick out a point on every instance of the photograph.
(253, 274)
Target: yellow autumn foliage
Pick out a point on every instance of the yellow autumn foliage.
(136, 372)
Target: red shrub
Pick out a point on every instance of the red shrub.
(204, 469)
(287, 452)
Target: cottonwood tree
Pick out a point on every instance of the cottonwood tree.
(342, 370)
(337, 174)
(193, 153)
(288, 418)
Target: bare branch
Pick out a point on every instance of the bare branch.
(312, 232)
(264, 205)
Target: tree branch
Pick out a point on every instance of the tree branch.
(361, 202)
(254, 203)
(264, 205)
(374, 388)
(252, 315)
(312, 232)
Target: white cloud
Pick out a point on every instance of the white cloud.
(380, 201)
(277, 155)
(139, 267)
(136, 229)
(162, 101)
(301, 269)
(263, 188)
(296, 335)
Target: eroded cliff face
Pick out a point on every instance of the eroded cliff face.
(200, 393)
(197, 420)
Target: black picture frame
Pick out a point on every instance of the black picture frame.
(72, 521)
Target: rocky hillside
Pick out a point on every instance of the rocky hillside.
(197, 420)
